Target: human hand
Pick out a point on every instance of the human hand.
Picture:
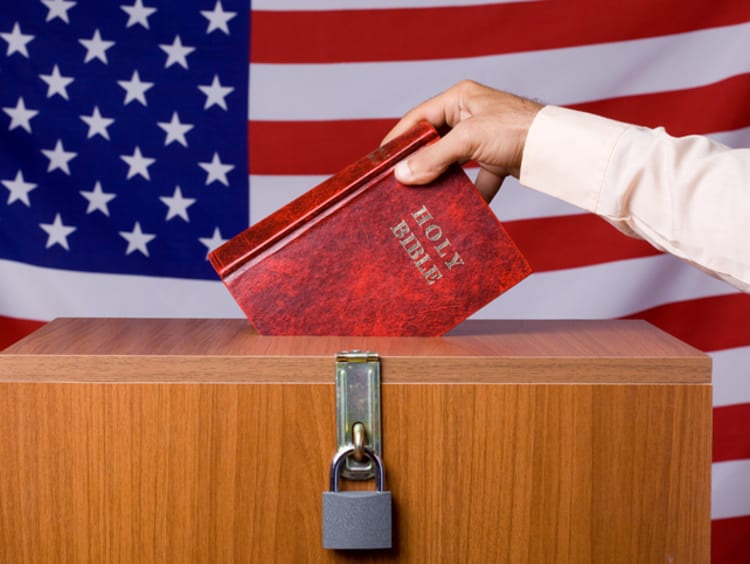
(487, 126)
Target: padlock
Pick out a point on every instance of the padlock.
(356, 519)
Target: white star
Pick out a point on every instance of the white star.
(56, 83)
(59, 158)
(175, 130)
(215, 93)
(137, 239)
(217, 171)
(138, 164)
(17, 41)
(19, 189)
(177, 204)
(98, 199)
(97, 124)
(212, 242)
(135, 89)
(138, 14)
(58, 9)
(57, 232)
(176, 52)
(96, 47)
(20, 116)
(218, 18)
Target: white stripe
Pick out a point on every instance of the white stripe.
(31, 292)
(558, 76)
(606, 290)
(268, 193)
(731, 376)
(730, 489)
(514, 202)
(320, 5)
(735, 138)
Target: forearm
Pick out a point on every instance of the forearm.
(689, 197)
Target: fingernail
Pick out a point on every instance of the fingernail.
(403, 172)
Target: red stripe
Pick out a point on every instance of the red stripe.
(732, 433)
(556, 243)
(12, 329)
(708, 324)
(311, 147)
(470, 31)
(721, 106)
(730, 540)
(323, 147)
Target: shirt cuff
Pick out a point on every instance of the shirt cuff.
(567, 153)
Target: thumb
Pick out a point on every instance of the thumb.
(429, 162)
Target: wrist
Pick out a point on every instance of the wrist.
(528, 112)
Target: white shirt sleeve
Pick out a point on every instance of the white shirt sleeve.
(688, 196)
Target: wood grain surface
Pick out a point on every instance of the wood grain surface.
(139, 469)
(223, 350)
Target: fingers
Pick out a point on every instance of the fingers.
(435, 110)
(431, 161)
(415, 171)
(488, 183)
(485, 125)
(404, 124)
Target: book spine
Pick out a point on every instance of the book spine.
(295, 216)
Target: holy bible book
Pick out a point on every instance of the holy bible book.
(362, 254)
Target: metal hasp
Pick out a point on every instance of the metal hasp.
(358, 401)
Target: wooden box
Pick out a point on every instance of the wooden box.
(180, 441)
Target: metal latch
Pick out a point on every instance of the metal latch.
(358, 410)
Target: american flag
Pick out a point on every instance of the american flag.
(127, 128)
(122, 154)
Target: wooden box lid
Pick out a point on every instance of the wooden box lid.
(229, 350)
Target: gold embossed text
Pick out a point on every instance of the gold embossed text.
(416, 251)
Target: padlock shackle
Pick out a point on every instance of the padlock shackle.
(341, 456)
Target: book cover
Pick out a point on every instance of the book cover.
(362, 254)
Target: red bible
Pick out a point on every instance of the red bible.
(362, 254)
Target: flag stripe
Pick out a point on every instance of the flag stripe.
(731, 432)
(572, 241)
(731, 377)
(730, 540)
(323, 147)
(297, 5)
(13, 329)
(730, 496)
(470, 31)
(735, 138)
(311, 147)
(709, 324)
(615, 289)
(301, 92)
(47, 293)
(571, 293)
(727, 100)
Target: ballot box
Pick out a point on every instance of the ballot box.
(179, 440)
